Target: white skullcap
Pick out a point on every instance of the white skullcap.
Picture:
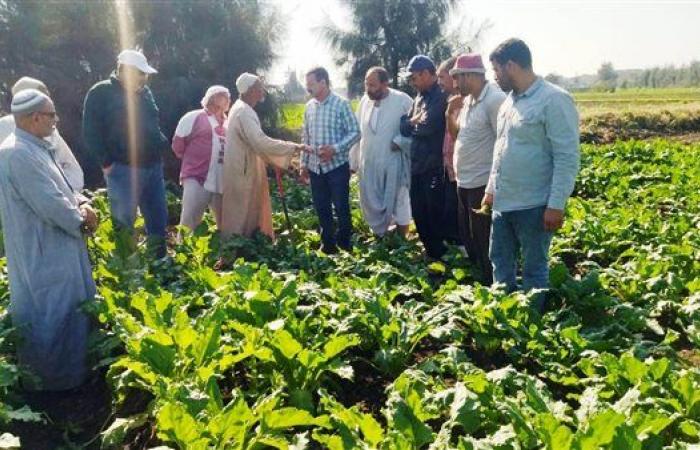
(29, 83)
(28, 101)
(212, 91)
(245, 82)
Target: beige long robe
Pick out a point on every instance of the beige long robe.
(246, 196)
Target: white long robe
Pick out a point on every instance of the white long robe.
(64, 155)
(47, 260)
(246, 205)
(383, 172)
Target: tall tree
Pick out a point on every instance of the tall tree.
(607, 76)
(293, 90)
(72, 45)
(389, 33)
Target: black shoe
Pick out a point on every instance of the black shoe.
(329, 249)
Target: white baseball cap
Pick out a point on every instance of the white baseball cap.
(136, 59)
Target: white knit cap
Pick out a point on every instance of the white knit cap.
(245, 82)
(28, 101)
(212, 91)
(29, 83)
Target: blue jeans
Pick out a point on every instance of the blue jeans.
(332, 190)
(129, 187)
(521, 233)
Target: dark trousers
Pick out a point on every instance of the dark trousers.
(332, 190)
(427, 206)
(451, 231)
(476, 230)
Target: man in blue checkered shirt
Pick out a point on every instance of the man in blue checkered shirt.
(330, 129)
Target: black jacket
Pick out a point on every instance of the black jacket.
(428, 137)
(105, 126)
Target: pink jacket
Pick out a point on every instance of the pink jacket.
(192, 144)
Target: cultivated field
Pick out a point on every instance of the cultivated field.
(291, 349)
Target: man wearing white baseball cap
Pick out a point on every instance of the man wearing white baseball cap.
(121, 127)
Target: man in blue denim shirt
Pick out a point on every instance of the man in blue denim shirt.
(425, 123)
(536, 159)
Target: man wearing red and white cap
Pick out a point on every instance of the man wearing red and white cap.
(121, 128)
(475, 135)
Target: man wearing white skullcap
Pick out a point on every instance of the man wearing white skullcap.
(121, 127)
(246, 201)
(47, 259)
(64, 155)
(246, 81)
(200, 142)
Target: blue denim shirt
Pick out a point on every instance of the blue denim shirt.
(536, 155)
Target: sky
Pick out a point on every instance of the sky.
(567, 37)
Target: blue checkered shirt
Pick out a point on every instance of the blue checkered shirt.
(330, 122)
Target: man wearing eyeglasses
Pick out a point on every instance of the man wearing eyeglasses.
(121, 127)
(48, 266)
(64, 155)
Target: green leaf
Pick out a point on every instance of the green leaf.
(690, 428)
(652, 423)
(208, 342)
(24, 414)
(690, 396)
(658, 368)
(286, 418)
(437, 268)
(601, 429)
(176, 424)
(406, 422)
(338, 344)
(331, 442)
(234, 421)
(626, 438)
(116, 433)
(183, 334)
(371, 430)
(285, 343)
(634, 369)
(159, 356)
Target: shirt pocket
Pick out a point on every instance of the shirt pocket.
(477, 119)
(527, 128)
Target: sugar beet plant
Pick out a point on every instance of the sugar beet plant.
(291, 349)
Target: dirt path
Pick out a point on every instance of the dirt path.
(73, 419)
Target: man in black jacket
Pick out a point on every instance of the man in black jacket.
(121, 127)
(425, 123)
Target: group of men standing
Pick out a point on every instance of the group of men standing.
(481, 164)
(496, 159)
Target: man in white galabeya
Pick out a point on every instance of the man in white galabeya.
(47, 259)
(382, 158)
